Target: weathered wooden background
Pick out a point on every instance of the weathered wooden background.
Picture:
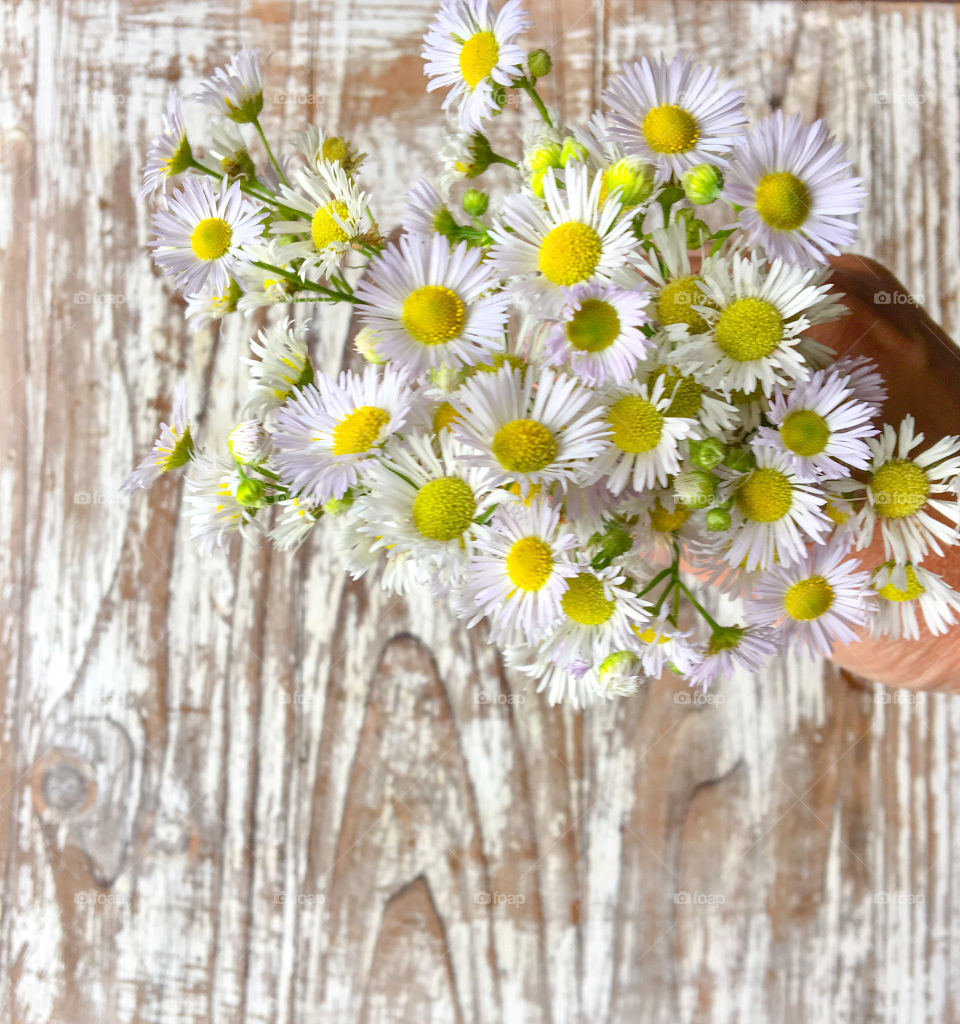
(248, 790)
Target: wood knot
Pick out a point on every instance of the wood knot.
(63, 785)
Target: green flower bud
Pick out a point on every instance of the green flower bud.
(633, 177)
(250, 493)
(702, 184)
(444, 223)
(740, 460)
(695, 488)
(718, 520)
(613, 543)
(337, 506)
(572, 151)
(548, 155)
(539, 62)
(707, 454)
(475, 202)
(697, 231)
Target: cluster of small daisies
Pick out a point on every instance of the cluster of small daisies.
(588, 397)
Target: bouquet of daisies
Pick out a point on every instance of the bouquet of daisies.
(590, 412)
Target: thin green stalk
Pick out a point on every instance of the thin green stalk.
(531, 90)
(329, 293)
(266, 146)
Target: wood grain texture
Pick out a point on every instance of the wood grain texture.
(251, 790)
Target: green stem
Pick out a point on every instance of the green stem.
(696, 604)
(257, 191)
(656, 579)
(531, 90)
(266, 146)
(329, 293)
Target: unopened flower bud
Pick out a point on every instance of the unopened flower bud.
(250, 493)
(572, 151)
(702, 184)
(248, 442)
(718, 520)
(707, 454)
(539, 62)
(337, 506)
(632, 177)
(695, 488)
(475, 202)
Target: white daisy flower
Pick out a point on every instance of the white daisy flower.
(431, 305)
(172, 449)
(906, 592)
(425, 502)
(228, 146)
(755, 317)
(324, 435)
(774, 514)
(261, 286)
(690, 397)
(577, 687)
(293, 523)
(425, 212)
(529, 431)
(795, 189)
(473, 51)
(814, 603)
(598, 616)
(169, 153)
(662, 646)
(864, 380)
(281, 367)
(517, 570)
(336, 209)
(236, 90)
(677, 290)
(205, 307)
(675, 115)
(599, 336)
(201, 234)
(730, 648)
(911, 496)
(249, 443)
(643, 447)
(821, 427)
(318, 148)
(568, 239)
(213, 509)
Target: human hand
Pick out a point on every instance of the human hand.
(921, 366)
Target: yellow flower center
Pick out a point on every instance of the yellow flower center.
(670, 129)
(584, 602)
(637, 424)
(749, 329)
(443, 508)
(358, 430)
(334, 150)
(666, 522)
(650, 636)
(478, 57)
(594, 326)
(687, 393)
(808, 599)
(529, 563)
(433, 314)
(913, 590)
(444, 416)
(324, 228)
(804, 432)
(783, 200)
(676, 301)
(899, 488)
(524, 446)
(570, 253)
(211, 238)
(765, 496)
